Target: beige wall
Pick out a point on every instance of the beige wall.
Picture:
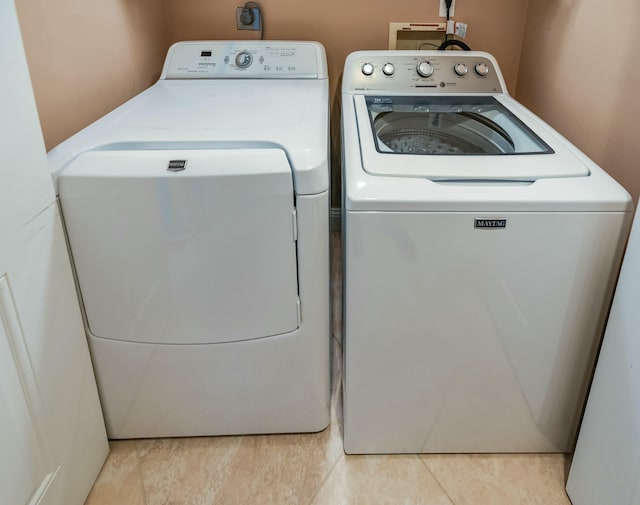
(345, 26)
(86, 57)
(580, 71)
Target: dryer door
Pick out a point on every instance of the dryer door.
(203, 254)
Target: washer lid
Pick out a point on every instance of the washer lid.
(456, 137)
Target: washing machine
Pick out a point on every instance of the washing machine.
(197, 218)
(480, 251)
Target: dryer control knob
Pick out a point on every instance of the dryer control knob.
(388, 69)
(482, 68)
(367, 69)
(243, 59)
(424, 69)
(460, 69)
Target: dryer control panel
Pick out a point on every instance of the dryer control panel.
(446, 72)
(245, 60)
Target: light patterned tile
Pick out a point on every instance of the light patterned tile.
(266, 469)
(501, 479)
(185, 470)
(120, 480)
(290, 468)
(381, 480)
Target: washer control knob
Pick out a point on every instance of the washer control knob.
(388, 69)
(244, 59)
(482, 68)
(367, 69)
(460, 69)
(424, 69)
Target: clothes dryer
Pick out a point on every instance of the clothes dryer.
(480, 253)
(197, 218)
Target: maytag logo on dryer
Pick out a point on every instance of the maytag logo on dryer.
(489, 224)
(177, 165)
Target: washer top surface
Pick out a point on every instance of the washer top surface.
(427, 130)
(226, 94)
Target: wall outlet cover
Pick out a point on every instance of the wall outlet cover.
(257, 21)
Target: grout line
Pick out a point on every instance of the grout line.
(145, 501)
(324, 481)
(444, 489)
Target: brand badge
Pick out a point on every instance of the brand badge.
(177, 165)
(489, 224)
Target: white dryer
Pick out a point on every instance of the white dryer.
(197, 217)
(480, 253)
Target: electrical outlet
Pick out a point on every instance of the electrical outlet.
(443, 9)
(256, 21)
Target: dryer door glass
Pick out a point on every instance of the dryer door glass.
(449, 125)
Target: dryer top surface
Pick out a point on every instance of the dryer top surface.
(291, 114)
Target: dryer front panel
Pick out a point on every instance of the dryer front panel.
(183, 247)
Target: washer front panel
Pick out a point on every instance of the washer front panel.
(460, 339)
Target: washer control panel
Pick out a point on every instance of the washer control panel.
(429, 71)
(244, 59)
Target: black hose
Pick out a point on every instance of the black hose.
(452, 42)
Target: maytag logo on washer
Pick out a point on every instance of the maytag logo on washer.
(177, 165)
(490, 224)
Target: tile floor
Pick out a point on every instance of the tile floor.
(312, 469)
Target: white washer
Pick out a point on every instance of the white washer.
(480, 253)
(197, 217)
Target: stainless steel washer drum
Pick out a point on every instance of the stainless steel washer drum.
(440, 133)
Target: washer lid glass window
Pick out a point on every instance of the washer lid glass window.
(446, 125)
(459, 137)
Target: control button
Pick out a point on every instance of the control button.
(367, 69)
(460, 69)
(482, 68)
(243, 59)
(388, 69)
(424, 68)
